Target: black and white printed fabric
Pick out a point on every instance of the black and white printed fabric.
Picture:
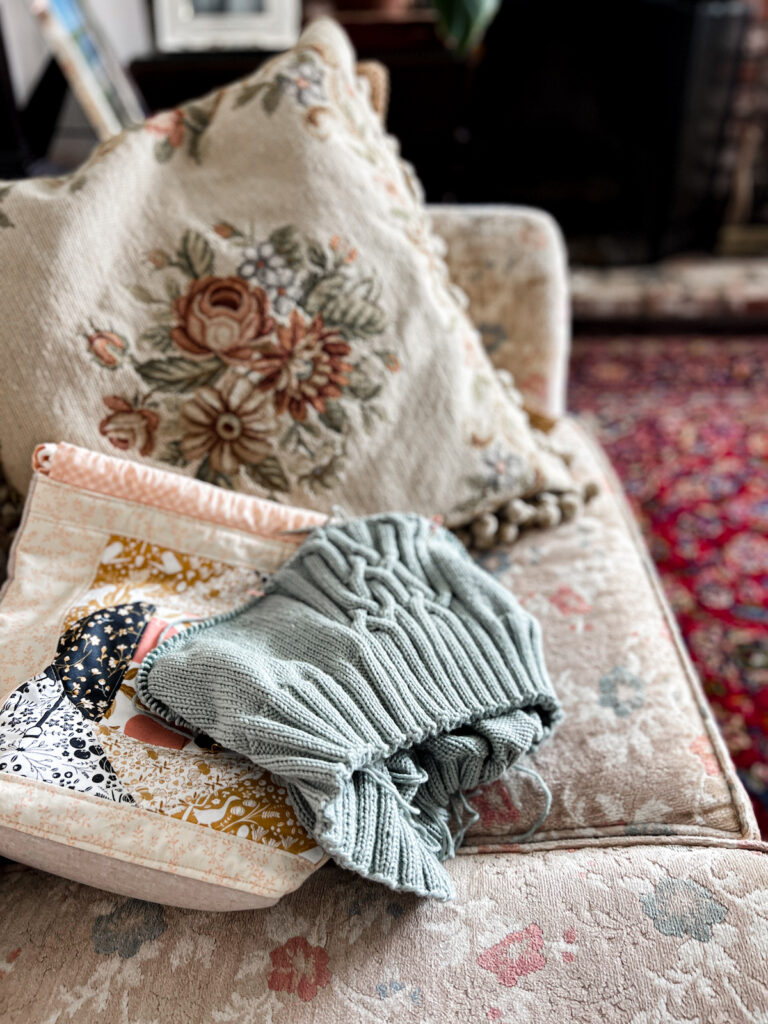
(43, 736)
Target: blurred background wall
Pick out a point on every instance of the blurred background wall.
(639, 124)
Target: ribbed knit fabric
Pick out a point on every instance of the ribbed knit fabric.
(382, 676)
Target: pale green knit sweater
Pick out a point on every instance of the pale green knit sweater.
(382, 676)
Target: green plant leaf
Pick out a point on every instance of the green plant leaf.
(463, 23)
(334, 417)
(269, 474)
(195, 255)
(178, 374)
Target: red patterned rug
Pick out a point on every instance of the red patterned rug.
(685, 423)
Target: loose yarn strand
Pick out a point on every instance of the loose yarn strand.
(531, 832)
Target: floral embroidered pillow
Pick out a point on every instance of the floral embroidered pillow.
(246, 290)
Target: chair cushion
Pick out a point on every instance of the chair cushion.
(638, 752)
(637, 758)
(661, 933)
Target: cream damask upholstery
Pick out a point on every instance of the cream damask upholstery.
(511, 264)
(643, 898)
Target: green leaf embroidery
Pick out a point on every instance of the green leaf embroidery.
(195, 255)
(163, 151)
(371, 416)
(334, 417)
(144, 295)
(5, 221)
(363, 387)
(269, 474)
(316, 255)
(158, 337)
(325, 291)
(287, 245)
(193, 145)
(197, 119)
(270, 101)
(172, 289)
(173, 454)
(348, 307)
(249, 92)
(178, 374)
(78, 183)
(210, 476)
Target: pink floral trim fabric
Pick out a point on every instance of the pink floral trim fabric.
(92, 471)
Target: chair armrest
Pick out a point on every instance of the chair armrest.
(511, 263)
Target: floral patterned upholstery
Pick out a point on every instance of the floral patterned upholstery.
(648, 934)
(510, 262)
(644, 897)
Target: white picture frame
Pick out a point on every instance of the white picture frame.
(226, 24)
(107, 95)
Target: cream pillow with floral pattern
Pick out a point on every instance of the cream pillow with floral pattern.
(247, 290)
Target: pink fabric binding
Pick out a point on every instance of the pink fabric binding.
(131, 481)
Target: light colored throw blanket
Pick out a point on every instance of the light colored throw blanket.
(382, 676)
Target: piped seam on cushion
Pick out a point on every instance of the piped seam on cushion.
(112, 478)
(296, 860)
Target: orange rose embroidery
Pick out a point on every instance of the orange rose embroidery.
(221, 316)
(128, 428)
(107, 347)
